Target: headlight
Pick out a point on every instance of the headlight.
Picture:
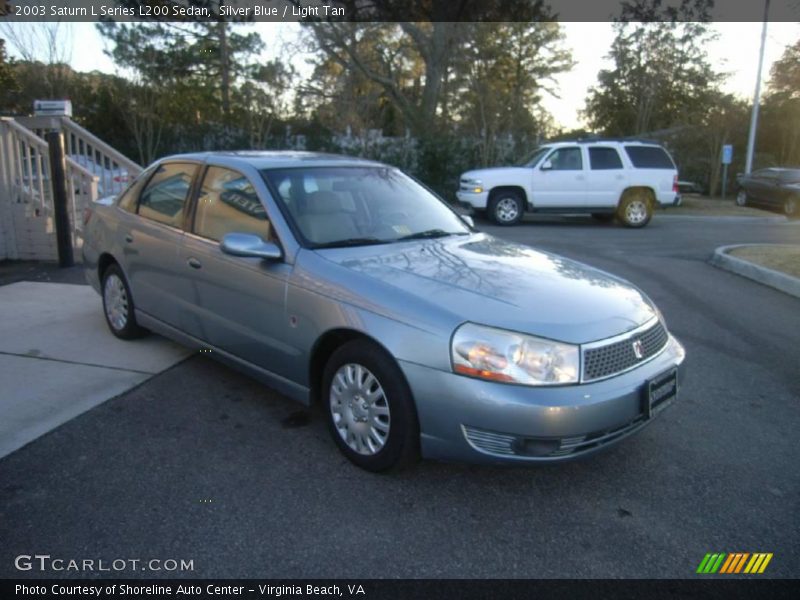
(472, 185)
(499, 355)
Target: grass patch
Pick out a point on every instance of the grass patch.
(783, 258)
(710, 207)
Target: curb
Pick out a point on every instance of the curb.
(775, 279)
(727, 218)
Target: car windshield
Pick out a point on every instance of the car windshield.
(356, 206)
(534, 157)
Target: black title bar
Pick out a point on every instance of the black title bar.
(396, 10)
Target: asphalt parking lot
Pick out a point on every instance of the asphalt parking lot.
(203, 464)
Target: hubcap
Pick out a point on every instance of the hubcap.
(116, 301)
(360, 409)
(636, 211)
(507, 210)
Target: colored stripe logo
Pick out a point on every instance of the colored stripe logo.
(736, 562)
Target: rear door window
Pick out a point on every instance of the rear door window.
(604, 158)
(164, 198)
(649, 157)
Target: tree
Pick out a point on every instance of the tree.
(409, 60)
(779, 133)
(500, 76)
(661, 75)
(45, 43)
(8, 82)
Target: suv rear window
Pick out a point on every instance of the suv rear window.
(649, 157)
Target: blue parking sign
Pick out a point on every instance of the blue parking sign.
(727, 154)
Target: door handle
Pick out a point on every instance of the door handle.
(194, 263)
(129, 238)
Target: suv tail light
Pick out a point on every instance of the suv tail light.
(675, 184)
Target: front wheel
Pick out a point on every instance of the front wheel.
(506, 208)
(741, 198)
(369, 408)
(635, 208)
(790, 207)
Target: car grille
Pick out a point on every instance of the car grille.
(604, 361)
(504, 444)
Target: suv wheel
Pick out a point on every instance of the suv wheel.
(635, 208)
(505, 208)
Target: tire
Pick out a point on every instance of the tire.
(790, 206)
(118, 305)
(369, 408)
(742, 198)
(506, 208)
(635, 208)
(603, 217)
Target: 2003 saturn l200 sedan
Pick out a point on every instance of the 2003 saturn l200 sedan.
(344, 281)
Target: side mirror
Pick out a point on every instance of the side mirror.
(546, 165)
(249, 245)
(468, 220)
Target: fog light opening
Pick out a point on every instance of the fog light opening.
(534, 447)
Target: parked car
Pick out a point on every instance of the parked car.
(344, 282)
(773, 188)
(625, 179)
(689, 187)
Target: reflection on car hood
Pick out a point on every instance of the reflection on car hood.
(483, 279)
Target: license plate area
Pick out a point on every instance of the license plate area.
(660, 392)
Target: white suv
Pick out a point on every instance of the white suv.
(606, 178)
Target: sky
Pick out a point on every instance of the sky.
(735, 52)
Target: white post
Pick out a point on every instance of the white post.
(751, 139)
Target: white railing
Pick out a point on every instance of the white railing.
(113, 169)
(26, 198)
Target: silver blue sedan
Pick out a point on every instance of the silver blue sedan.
(344, 282)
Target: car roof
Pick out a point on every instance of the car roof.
(276, 159)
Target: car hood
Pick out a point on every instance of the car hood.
(493, 173)
(483, 279)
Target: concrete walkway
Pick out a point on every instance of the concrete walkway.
(58, 359)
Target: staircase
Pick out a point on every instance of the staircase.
(94, 169)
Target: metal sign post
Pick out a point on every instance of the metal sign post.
(727, 156)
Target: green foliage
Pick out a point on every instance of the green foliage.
(8, 82)
(778, 141)
(661, 78)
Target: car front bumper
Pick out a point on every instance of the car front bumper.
(474, 200)
(471, 420)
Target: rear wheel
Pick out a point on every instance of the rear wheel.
(118, 305)
(369, 408)
(636, 208)
(506, 208)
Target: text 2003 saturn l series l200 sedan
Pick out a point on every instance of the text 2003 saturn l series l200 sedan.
(344, 281)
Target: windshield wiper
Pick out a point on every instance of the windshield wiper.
(359, 241)
(429, 234)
